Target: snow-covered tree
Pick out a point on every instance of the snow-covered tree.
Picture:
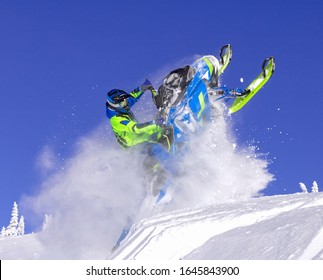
(47, 221)
(315, 187)
(12, 228)
(21, 226)
(3, 232)
(303, 187)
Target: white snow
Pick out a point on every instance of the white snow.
(285, 227)
(279, 227)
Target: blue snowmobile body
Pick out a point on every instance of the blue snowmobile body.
(184, 98)
(184, 104)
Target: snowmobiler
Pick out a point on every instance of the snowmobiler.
(184, 106)
(156, 137)
(184, 102)
(153, 137)
(127, 130)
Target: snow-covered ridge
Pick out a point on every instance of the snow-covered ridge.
(278, 227)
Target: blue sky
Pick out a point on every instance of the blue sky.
(59, 58)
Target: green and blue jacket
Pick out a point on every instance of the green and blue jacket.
(127, 130)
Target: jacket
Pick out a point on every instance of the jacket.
(127, 130)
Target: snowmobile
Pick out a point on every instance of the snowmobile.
(184, 102)
(184, 106)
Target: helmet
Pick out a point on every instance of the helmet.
(117, 99)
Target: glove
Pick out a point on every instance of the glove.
(169, 132)
(146, 86)
(167, 138)
(160, 121)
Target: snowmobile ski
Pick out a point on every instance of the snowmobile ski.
(268, 68)
(122, 236)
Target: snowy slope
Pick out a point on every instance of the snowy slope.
(280, 227)
(22, 247)
(277, 227)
